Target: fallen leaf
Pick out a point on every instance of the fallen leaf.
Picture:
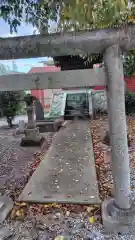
(59, 238)
(90, 209)
(67, 213)
(92, 219)
(23, 204)
(53, 204)
(13, 213)
(19, 213)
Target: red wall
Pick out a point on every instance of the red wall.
(40, 94)
(130, 82)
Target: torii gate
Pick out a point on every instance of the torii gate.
(116, 213)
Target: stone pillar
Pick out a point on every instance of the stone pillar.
(39, 111)
(117, 126)
(30, 113)
(32, 135)
(121, 204)
(21, 128)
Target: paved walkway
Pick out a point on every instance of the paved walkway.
(67, 172)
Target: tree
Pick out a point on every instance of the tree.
(129, 63)
(71, 13)
(9, 103)
(30, 11)
(95, 14)
(29, 99)
(82, 15)
(4, 69)
(14, 66)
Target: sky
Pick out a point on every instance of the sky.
(24, 65)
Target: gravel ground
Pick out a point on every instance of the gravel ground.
(59, 222)
(15, 162)
(59, 227)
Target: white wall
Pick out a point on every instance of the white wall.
(97, 101)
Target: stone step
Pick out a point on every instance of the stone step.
(50, 126)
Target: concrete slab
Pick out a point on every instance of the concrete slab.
(6, 205)
(67, 173)
(50, 126)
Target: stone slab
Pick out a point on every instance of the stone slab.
(67, 173)
(48, 126)
(6, 205)
(6, 233)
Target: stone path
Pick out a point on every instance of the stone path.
(67, 172)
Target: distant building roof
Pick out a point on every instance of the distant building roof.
(44, 69)
(13, 72)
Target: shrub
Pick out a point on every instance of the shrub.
(10, 104)
(129, 103)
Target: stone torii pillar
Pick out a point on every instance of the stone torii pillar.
(117, 213)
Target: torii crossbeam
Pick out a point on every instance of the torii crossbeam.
(71, 43)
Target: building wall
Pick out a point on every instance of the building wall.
(45, 95)
(99, 100)
(48, 96)
(130, 83)
(98, 96)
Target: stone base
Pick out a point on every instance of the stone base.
(117, 220)
(31, 143)
(51, 126)
(18, 131)
(32, 138)
(6, 205)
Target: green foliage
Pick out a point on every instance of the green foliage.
(4, 69)
(29, 99)
(129, 63)
(22, 109)
(94, 14)
(77, 62)
(78, 14)
(129, 103)
(9, 104)
(14, 11)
